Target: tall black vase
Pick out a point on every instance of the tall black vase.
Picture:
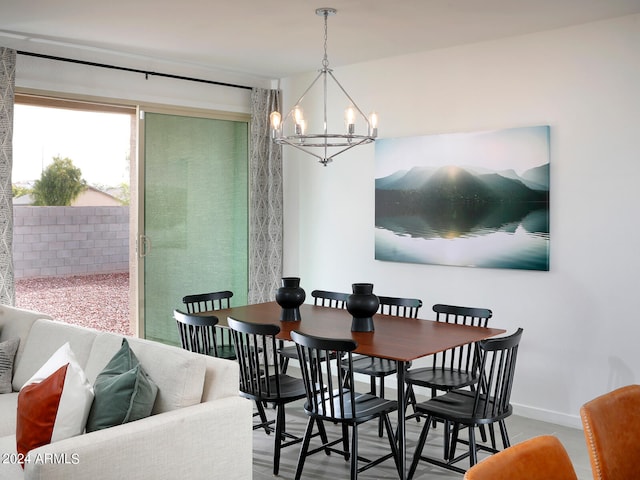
(290, 296)
(362, 304)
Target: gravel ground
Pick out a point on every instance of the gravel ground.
(96, 301)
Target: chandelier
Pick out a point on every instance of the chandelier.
(293, 129)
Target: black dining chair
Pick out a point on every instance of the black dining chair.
(488, 404)
(207, 302)
(322, 298)
(329, 400)
(379, 368)
(197, 332)
(262, 381)
(454, 368)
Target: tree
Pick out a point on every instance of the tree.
(124, 194)
(19, 190)
(60, 184)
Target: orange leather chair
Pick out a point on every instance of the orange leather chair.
(540, 458)
(612, 430)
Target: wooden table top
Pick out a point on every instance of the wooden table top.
(394, 338)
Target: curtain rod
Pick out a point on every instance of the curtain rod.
(134, 70)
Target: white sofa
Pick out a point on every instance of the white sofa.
(199, 428)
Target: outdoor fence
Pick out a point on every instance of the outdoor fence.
(62, 241)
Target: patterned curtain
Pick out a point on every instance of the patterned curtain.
(265, 200)
(7, 86)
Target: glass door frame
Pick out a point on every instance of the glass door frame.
(137, 197)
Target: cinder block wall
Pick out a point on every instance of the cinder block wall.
(61, 241)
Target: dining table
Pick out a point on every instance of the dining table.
(400, 339)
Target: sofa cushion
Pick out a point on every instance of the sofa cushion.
(45, 337)
(17, 322)
(123, 392)
(8, 403)
(10, 468)
(54, 403)
(8, 351)
(179, 374)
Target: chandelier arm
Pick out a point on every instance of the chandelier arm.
(320, 140)
(324, 80)
(301, 147)
(364, 140)
(349, 97)
(303, 95)
(324, 160)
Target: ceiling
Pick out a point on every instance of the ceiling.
(277, 38)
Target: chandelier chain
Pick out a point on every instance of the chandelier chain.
(325, 59)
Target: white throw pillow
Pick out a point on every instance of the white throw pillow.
(54, 403)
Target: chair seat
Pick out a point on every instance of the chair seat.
(373, 366)
(457, 406)
(291, 389)
(289, 352)
(366, 407)
(226, 351)
(440, 379)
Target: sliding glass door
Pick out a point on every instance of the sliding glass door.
(194, 215)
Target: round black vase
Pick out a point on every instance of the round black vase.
(362, 304)
(290, 296)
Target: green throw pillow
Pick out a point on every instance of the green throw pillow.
(123, 392)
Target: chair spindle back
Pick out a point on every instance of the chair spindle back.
(399, 307)
(320, 362)
(325, 298)
(497, 367)
(462, 358)
(259, 368)
(197, 333)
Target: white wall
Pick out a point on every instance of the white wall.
(581, 319)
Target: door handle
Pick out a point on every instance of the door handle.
(144, 246)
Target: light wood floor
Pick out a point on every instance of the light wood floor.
(334, 467)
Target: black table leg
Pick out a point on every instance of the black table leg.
(402, 442)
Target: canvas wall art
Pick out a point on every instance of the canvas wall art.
(466, 199)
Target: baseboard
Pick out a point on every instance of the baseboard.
(572, 421)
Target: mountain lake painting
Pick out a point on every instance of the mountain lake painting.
(465, 199)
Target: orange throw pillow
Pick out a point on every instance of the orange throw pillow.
(37, 411)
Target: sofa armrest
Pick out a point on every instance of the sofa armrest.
(206, 441)
(221, 379)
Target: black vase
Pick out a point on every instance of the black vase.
(290, 296)
(362, 305)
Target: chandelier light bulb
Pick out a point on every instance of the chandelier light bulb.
(350, 119)
(373, 124)
(299, 120)
(276, 119)
(373, 119)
